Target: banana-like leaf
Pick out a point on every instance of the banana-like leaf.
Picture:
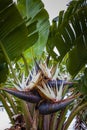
(82, 83)
(3, 69)
(34, 11)
(70, 36)
(14, 33)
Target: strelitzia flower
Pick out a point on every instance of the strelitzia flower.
(51, 93)
(33, 78)
(34, 81)
(46, 72)
(40, 88)
(27, 84)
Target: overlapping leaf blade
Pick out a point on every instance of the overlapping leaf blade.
(14, 34)
(70, 37)
(34, 10)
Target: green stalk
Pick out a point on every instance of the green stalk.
(27, 115)
(40, 123)
(62, 119)
(73, 114)
(7, 108)
(46, 122)
(9, 62)
(25, 63)
(35, 120)
(53, 121)
(11, 102)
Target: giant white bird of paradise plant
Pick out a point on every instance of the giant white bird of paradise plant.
(40, 88)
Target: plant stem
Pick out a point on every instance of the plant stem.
(25, 63)
(9, 62)
(40, 123)
(27, 115)
(7, 108)
(35, 120)
(52, 124)
(11, 102)
(46, 122)
(62, 118)
(73, 114)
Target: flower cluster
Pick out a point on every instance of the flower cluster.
(41, 88)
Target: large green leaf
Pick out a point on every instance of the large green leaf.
(13, 31)
(52, 40)
(35, 12)
(82, 82)
(70, 37)
(15, 36)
